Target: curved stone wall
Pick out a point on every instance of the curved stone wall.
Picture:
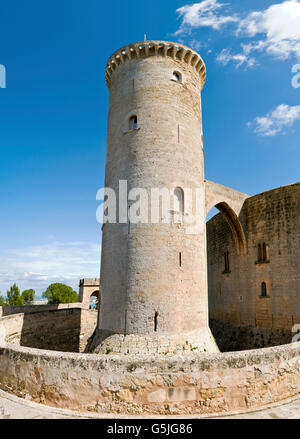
(235, 294)
(65, 328)
(153, 274)
(159, 49)
(158, 384)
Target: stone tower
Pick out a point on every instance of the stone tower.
(154, 275)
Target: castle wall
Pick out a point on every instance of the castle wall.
(235, 298)
(152, 384)
(8, 310)
(66, 328)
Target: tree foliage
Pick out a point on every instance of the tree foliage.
(14, 296)
(60, 293)
(3, 302)
(28, 296)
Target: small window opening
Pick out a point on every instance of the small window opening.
(133, 123)
(177, 76)
(263, 289)
(265, 252)
(178, 200)
(259, 253)
(262, 253)
(226, 263)
(180, 259)
(155, 321)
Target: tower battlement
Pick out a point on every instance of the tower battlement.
(155, 48)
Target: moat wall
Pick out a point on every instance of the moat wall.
(66, 328)
(231, 338)
(157, 384)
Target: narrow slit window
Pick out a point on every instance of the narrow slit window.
(226, 263)
(263, 289)
(180, 259)
(265, 252)
(155, 321)
(133, 123)
(259, 253)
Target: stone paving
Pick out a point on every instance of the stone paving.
(12, 407)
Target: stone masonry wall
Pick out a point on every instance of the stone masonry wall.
(273, 218)
(8, 310)
(153, 275)
(58, 328)
(152, 384)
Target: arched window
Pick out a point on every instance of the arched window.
(259, 253)
(265, 252)
(262, 253)
(177, 77)
(263, 289)
(133, 123)
(178, 200)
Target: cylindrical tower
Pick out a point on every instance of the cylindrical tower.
(153, 275)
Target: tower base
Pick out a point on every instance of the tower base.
(201, 341)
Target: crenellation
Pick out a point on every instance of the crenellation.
(156, 48)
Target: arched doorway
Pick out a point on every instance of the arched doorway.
(94, 301)
(226, 250)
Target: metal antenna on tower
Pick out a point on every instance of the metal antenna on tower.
(145, 37)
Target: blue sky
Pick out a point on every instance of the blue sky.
(53, 114)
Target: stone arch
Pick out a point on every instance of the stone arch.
(89, 288)
(234, 224)
(230, 203)
(95, 293)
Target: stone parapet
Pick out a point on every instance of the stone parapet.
(151, 383)
(155, 48)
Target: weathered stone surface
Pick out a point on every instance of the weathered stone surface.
(240, 317)
(149, 383)
(181, 394)
(87, 289)
(147, 294)
(157, 396)
(67, 328)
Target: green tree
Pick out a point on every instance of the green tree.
(60, 293)
(3, 302)
(14, 296)
(28, 296)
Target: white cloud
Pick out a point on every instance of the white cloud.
(274, 31)
(38, 266)
(225, 56)
(276, 121)
(280, 25)
(203, 14)
(196, 45)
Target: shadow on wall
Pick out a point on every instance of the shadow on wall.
(230, 338)
(66, 330)
(57, 330)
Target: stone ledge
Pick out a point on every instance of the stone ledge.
(153, 383)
